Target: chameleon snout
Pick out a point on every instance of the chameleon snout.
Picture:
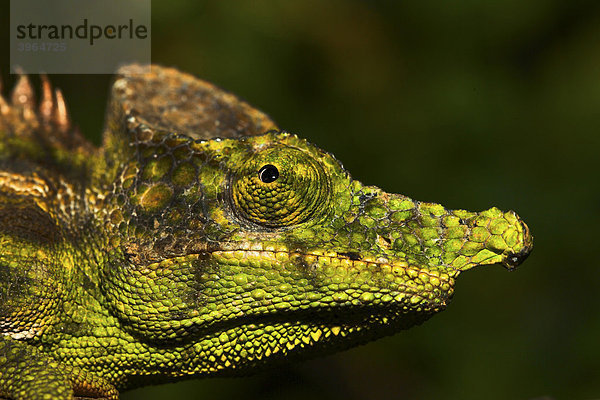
(458, 239)
(510, 237)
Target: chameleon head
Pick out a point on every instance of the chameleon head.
(251, 248)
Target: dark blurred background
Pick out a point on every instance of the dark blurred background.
(466, 103)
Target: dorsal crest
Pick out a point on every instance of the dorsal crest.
(46, 123)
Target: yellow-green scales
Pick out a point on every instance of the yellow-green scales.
(200, 239)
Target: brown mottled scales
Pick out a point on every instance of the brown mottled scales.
(201, 240)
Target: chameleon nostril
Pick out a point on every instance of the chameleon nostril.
(515, 259)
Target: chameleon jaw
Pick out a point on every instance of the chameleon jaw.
(272, 342)
(244, 346)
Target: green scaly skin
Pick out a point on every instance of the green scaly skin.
(201, 240)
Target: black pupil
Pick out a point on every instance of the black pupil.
(268, 173)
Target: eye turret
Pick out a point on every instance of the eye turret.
(279, 187)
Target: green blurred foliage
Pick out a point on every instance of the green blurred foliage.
(467, 103)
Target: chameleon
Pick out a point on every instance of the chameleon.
(200, 239)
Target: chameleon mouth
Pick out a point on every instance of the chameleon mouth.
(275, 253)
(363, 281)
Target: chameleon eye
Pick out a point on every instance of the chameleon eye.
(268, 173)
(290, 187)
